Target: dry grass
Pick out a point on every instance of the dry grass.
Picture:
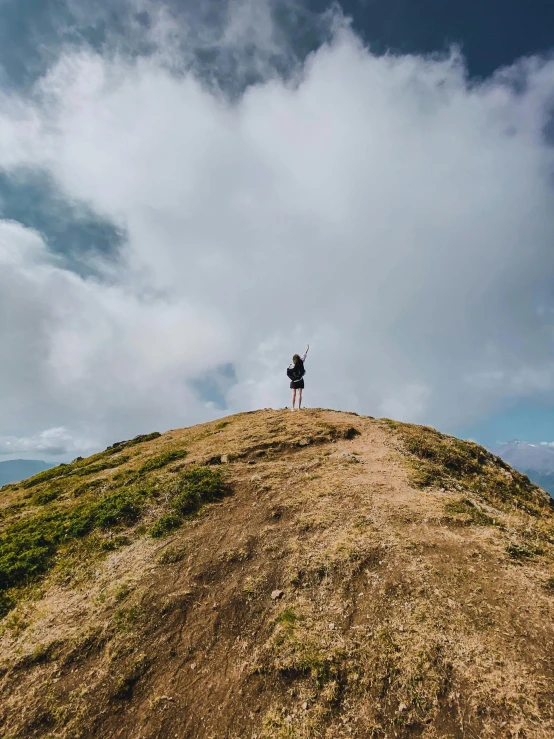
(416, 576)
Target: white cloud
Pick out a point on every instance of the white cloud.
(54, 441)
(383, 208)
(101, 359)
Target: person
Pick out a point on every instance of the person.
(296, 373)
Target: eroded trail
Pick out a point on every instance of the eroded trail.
(325, 596)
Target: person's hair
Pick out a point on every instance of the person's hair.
(296, 358)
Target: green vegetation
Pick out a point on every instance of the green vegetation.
(473, 514)
(351, 433)
(172, 555)
(197, 486)
(60, 471)
(124, 686)
(165, 524)
(119, 445)
(96, 463)
(125, 619)
(521, 552)
(144, 437)
(88, 487)
(107, 464)
(299, 651)
(287, 619)
(42, 497)
(156, 463)
(442, 461)
(114, 542)
(28, 545)
(7, 602)
(11, 509)
(120, 508)
(33, 540)
(78, 468)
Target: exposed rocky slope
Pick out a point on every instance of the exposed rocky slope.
(278, 574)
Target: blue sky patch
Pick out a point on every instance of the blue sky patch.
(213, 386)
(71, 230)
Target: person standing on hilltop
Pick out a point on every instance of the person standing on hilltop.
(296, 374)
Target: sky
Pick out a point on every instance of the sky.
(191, 192)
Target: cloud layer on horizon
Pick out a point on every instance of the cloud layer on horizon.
(386, 209)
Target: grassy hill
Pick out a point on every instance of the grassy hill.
(278, 574)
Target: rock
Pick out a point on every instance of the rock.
(331, 627)
(224, 458)
(305, 705)
(349, 457)
(276, 594)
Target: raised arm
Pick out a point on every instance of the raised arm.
(306, 353)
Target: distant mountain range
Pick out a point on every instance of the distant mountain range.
(534, 460)
(14, 470)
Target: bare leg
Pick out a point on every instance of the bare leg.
(299, 398)
(293, 398)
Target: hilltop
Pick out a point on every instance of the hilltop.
(278, 574)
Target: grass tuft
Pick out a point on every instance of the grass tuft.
(42, 497)
(470, 511)
(123, 689)
(165, 525)
(287, 619)
(60, 471)
(172, 555)
(29, 545)
(156, 463)
(442, 461)
(90, 466)
(197, 486)
(114, 448)
(522, 552)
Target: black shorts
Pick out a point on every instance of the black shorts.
(297, 384)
